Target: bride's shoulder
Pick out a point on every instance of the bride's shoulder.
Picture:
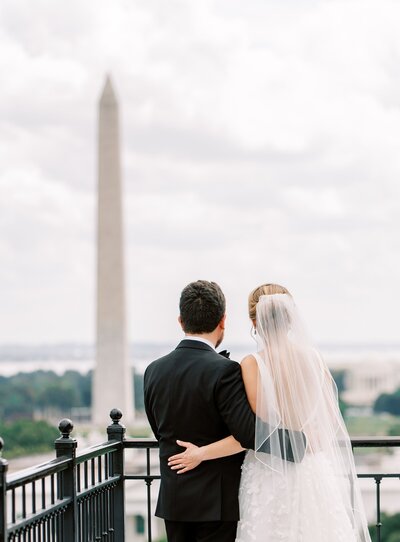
(249, 361)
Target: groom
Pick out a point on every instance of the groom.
(197, 395)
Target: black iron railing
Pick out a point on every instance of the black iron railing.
(74, 498)
(81, 497)
(377, 442)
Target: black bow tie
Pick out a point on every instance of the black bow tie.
(224, 353)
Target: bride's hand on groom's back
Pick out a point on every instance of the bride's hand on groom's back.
(187, 460)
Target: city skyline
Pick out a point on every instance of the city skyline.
(250, 155)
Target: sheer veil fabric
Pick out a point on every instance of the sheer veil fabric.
(296, 391)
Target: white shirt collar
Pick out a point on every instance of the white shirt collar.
(200, 339)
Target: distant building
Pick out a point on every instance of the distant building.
(367, 374)
(364, 382)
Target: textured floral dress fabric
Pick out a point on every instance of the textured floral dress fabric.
(313, 512)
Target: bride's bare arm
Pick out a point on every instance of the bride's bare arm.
(194, 455)
(250, 374)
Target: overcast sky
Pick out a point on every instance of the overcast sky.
(261, 142)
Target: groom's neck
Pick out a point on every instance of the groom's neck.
(210, 337)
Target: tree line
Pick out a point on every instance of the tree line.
(24, 394)
(24, 397)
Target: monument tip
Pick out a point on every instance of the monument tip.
(108, 94)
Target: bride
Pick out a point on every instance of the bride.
(289, 385)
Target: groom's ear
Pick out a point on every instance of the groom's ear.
(222, 322)
(180, 322)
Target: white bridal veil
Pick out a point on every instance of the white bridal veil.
(296, 392)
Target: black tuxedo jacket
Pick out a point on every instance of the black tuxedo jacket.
(196, 395)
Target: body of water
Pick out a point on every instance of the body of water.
(80, 357)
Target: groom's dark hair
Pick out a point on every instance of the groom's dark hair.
(202, 306)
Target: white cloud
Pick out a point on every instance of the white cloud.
(260, 142)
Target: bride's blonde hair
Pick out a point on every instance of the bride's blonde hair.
(264, 289)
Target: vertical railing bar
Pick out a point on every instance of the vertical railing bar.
(108, 512)
(378, 508)
(148, 484)
(104, 515)
(60, 522)
(98, 523)
(79, 521)
(34, 497)
(85, 472)
(99, 506)
(87, 514)
(92, 519)
(112, 515)
(58, 487)
(101, 498)
(90, 515)
(78, 475)
(92, 472)
(105, 504)
(99, 473)
(3, 494)
(106, 458)
(84, 518)
(43, 493)
(23, 501)
(13, 511)
(96, 515)
(52, 492)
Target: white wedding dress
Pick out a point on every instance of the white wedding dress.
(317, 498)
(313, 513)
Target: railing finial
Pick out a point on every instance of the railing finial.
(115, 415)
(116, 431)
(65, 426)
(65, 444)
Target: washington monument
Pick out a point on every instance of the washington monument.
(112, 382)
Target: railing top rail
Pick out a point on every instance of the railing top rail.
(97, 450)
(38, 471)
(356, 442)
(372, 442)
(57, 465)
(140, 443)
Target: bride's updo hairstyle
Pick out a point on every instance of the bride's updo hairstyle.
(264, 289)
